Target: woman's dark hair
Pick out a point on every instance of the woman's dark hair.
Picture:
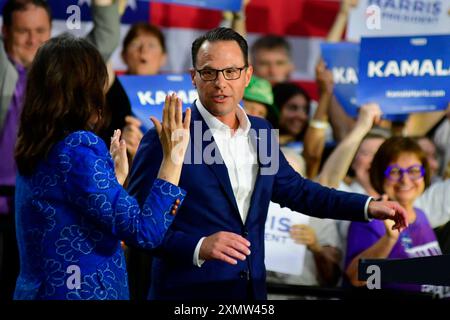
(389, 151)
(65, 88)
(282, 92)
(143, 28)
(219, 34)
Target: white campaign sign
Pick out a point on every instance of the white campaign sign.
(282, 253)
(379, 18)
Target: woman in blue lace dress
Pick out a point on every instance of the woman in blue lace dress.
(71, 209)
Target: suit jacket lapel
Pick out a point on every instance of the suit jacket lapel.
(256, 141)
(218, 167)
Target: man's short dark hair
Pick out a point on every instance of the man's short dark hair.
(271, 42)
(220, 34)
(21, 5)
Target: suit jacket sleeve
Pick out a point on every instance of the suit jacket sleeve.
(291, 190)
(90, 184)
(105, 35)
(8, 81)
(176, 245)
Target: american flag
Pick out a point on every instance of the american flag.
(304, 22)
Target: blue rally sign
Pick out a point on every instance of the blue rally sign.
(62, 9)
(148, 93)
(222, 5)
(405, 74)
(342, 60)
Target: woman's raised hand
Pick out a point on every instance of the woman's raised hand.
(174, 135)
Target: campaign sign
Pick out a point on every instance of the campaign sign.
(342, 60)
(222, 5)
(63, 9)
(381, 18)
(148, 93)
(282, 254)
(405, 74)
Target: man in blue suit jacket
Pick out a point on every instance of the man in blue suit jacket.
(215, 247)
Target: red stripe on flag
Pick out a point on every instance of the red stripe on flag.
(310, 87)
(293, 17)
(288, 17)
(176, 16)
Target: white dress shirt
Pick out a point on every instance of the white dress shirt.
(239, 156)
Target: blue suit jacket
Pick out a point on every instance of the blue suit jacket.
(210, 207)
(71, 213)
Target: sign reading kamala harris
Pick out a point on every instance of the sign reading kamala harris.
(282, 254)
(405, 74)
(231, 5)
(342, 60)
(148, 93)
(398, 18)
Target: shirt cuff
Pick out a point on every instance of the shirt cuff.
(366, 209)
(197, 261)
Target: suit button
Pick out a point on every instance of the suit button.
(244, 275)
(245, 232)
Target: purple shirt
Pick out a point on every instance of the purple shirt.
(418, 240)
(8, 137)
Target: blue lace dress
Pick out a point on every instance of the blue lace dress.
(71, 215)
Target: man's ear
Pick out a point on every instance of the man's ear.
(192, 71)
(248, 75)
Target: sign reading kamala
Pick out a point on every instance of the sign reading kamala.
(342, 59)
(231, 5)
(148, 93)
(405, 74)
(282, 254)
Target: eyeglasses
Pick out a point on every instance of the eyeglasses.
(395, 173)
(136, 45)
(208, 74)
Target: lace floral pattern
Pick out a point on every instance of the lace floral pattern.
(74, 212)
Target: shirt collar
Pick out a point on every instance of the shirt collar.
(19, 67)
(215, 124)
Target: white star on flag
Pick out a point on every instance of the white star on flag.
(130, 3)
(81, 2)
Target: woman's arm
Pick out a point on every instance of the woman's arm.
(326, 258)
(379, 250)
(337, 164)
(340, 22)
(236, 20)
(340, 121)
(314, 141)
(90, 180)
(419, 124)
(105, 35)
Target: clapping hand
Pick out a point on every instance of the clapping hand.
(118, 151)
